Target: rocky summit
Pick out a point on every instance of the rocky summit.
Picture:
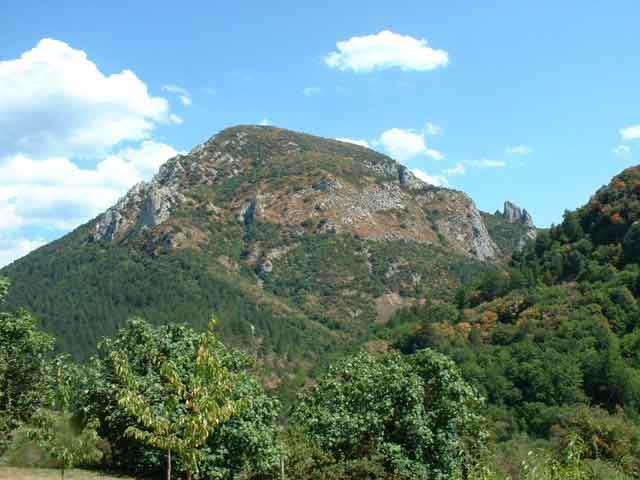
(333, 186)
(296, 243)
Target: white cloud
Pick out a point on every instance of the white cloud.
(622, 151)
(521, 150)
(265, 122)
(355, 141)
(630, 133)
(403, 144)
(385, 50)
(13, 248)
(310, 91)
(57, 108)
(58, 194)
(407, 144)
(54, 101)
(437, 180)
(435, 154)
(182, 93)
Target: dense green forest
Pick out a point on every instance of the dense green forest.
(169, 399)
(527, 370)
(552, 344)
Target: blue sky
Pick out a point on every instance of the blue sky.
(526, 101)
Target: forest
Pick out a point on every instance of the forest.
(529, 372)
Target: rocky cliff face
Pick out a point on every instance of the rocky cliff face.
(514, 214)
(346, 188)
(510, 228)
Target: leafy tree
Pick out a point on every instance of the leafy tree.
(544, 465)
(414, 416)
(195, 403)
(248, 442)
(611, 438)
(24, 351)
(63, 439)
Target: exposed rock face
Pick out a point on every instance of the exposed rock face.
(146, 205)
(362, 192)
(514, 214)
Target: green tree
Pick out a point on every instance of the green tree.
(24, 352)
(245, 444)
(66, 441)
(195, 403)
(413, 416)
(65, 437)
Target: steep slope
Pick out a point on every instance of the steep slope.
(555, 340)
(297, 243)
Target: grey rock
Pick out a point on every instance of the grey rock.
(514, 214)
(408, 179)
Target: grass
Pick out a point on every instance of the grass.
(13, 473)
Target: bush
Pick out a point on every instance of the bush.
(411, 417)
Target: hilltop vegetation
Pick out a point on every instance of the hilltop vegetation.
(552, 343)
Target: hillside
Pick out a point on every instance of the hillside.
(296, 243)
(553, 342)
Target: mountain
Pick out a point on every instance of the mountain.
(298, 244)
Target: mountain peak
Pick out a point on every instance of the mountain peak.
(514, 214)
(296, 181)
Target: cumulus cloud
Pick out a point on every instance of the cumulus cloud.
(355, 141)
(520, 150)
(182, 93)
(55, 101)
(630, 133)
(386, 50)
(622, 151)
(437, 180)
(14, 248)
(72, 141)
(310, 91)
(57, 193)
(404, 145)
(435, 154)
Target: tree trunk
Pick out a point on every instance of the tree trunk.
(168, 465)
(188, 475)
(62, 473)
(282, 476)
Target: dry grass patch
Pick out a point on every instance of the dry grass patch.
(12, 473)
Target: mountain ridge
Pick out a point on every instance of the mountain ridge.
(298, 244)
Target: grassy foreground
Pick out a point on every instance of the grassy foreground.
(12, 473)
